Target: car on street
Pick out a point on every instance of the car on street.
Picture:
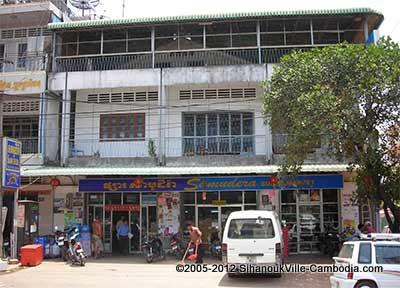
(375, 259)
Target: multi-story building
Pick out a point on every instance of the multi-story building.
(25, 56)
(162, 123)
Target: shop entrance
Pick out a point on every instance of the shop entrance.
(211, 220)
(149, 222)
(308, 213)
(117, 217)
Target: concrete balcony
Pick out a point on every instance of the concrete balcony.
(179, 151)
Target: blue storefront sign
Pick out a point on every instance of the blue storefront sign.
(11, 163)
(223, 183)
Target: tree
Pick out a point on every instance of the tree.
(347, 98)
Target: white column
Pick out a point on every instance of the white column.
(65, 123)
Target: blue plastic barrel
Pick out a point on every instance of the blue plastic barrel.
(41, 240)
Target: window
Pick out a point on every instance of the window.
(364, 256)
(235, 34)
(387, 254)
(346, 251)
(2, 51)
(24, 129)
(22, 53)
(251, 229)
(121, 127)
(218, 133)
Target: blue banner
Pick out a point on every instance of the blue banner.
(223, 183)
(11, 163)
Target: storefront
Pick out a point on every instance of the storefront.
(164, 205)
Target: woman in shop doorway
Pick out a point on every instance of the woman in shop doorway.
(123, 239)
(97, 235)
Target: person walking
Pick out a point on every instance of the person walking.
(123, 239)
(195, 238)
(97, 235)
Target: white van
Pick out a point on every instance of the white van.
(252, 237)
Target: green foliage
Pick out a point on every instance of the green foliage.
(346, 96)
(151, 148)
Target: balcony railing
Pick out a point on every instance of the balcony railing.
(246, 145)
(12, 63)
(29, 145)
(191, 58)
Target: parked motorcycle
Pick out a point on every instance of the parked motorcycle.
(177, 246)
(62, 242)
(215, 246)
(331, 243)
(153, 250)
(75, 252)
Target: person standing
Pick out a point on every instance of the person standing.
(123, 239)
(97, 235)
(195, 238)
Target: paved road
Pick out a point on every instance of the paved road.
(111, 274)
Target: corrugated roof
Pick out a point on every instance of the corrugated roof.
(153, 171)
(202, 18)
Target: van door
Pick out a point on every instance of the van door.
(251, 240)
(388, 257)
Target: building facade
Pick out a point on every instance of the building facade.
(161, 122)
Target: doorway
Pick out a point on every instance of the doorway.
(149, 222)
(117, 216)
(308, 213)
(211, 219)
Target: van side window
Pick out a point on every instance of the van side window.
(364, 255)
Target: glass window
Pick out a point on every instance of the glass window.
(22, 53)
(248, 123)
(387, 254)
(206, 197)
(288, 196)
(224, 124)
(231, 197)
(212, 124)
(346, 251)
(200, 125)
(251, 229)
(131, 198)
(189, 214)
(250, 196)
(189, 198)
(113, 198)
(122, 126)
(95, 198)
(364, 256)
(330, 195)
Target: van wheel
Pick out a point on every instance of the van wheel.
(365, 284)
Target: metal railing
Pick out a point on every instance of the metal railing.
(29, 145)
(12, 63)
(246, 145)
(190, 58)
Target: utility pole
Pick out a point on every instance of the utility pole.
(123, 8)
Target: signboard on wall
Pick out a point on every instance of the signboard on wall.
(223, 183)
(21, 216)
(11, 163)
(21, 84)
(350, 209)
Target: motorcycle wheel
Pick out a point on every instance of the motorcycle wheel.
(82, 262)
(149, 258)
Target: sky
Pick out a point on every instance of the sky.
(143, 8)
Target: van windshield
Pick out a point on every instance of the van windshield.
(257, 228)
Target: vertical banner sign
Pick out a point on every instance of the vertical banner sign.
(11, 163)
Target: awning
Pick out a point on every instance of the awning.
(223, 170)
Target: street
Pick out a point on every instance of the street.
(122, 272)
